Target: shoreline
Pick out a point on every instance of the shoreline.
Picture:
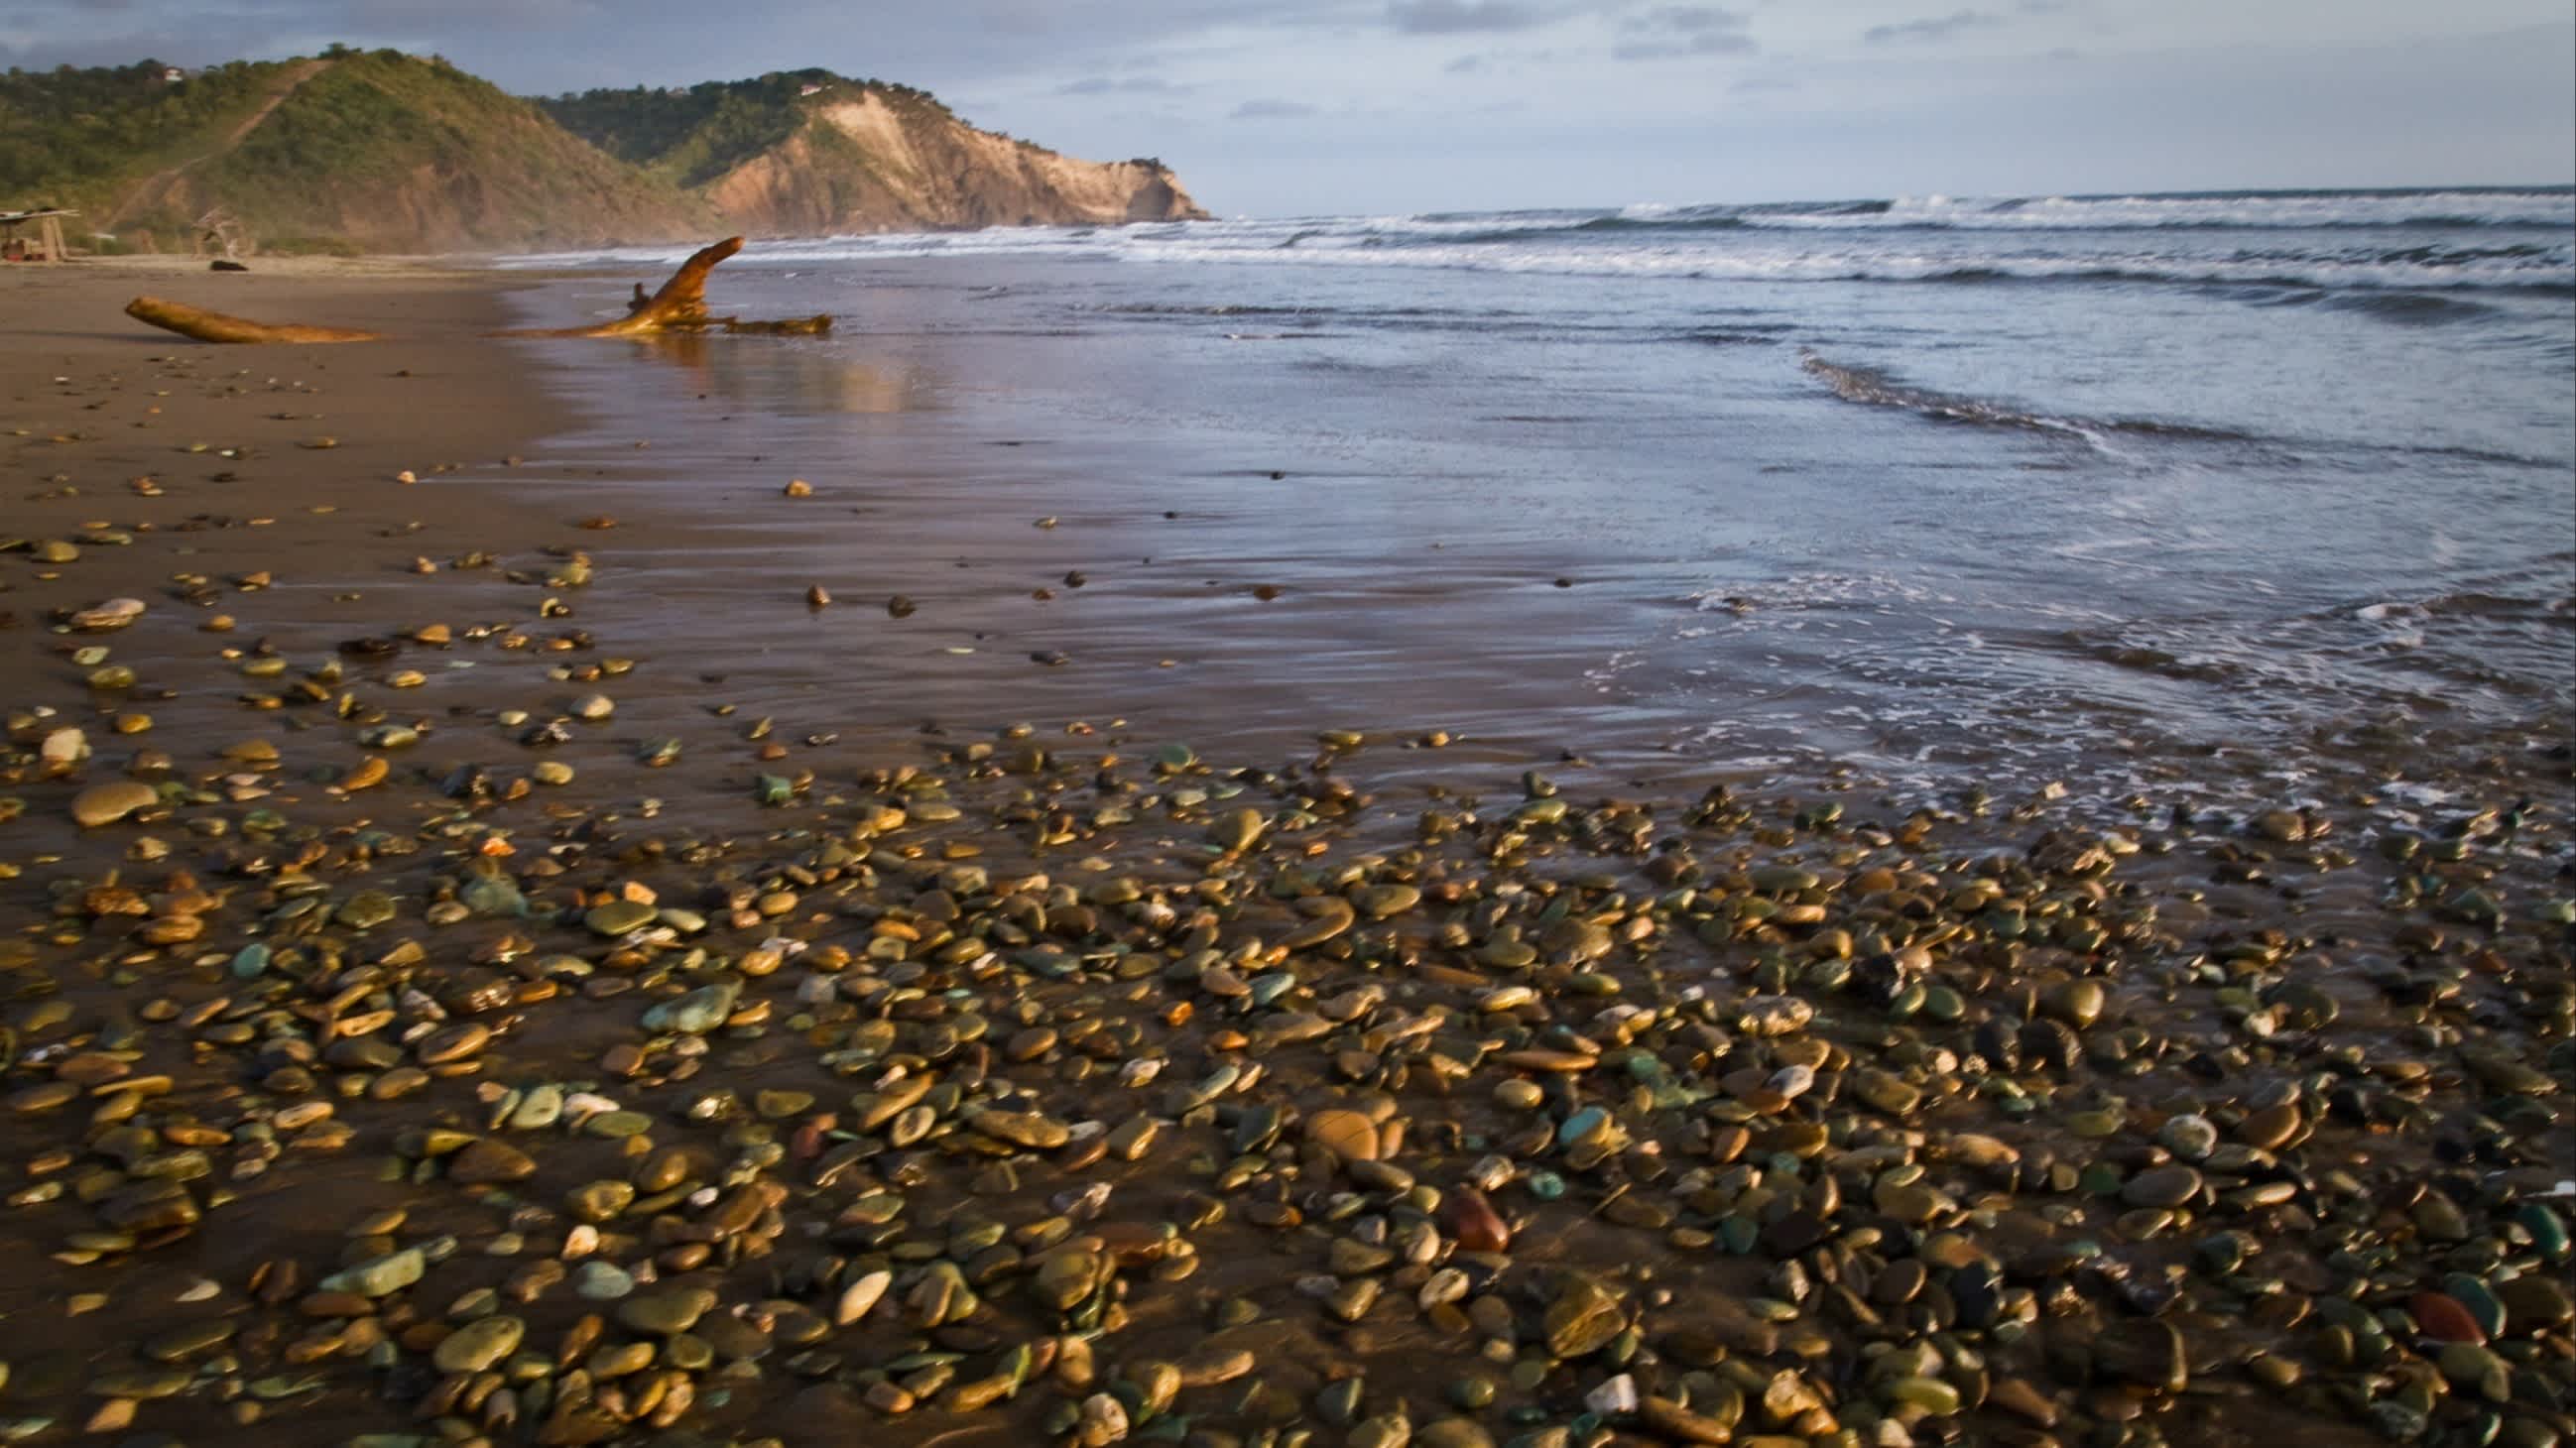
(760, 1074)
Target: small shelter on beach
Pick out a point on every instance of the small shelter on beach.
(48, 245)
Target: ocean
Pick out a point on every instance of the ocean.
(2233, 491)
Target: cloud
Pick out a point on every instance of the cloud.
(1931, 27)
(1101, 85)
(1758, 84)
(1270, 111)
(1464, 65)
(1461, 17)
(1671, 32)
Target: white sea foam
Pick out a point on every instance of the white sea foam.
(2130, 239)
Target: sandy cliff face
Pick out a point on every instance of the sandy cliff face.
(862, 164)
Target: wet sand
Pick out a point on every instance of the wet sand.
(738, 1050)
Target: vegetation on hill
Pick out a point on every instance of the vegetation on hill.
(351, 150)
(69, 136)
(378, 150)
(690, 137)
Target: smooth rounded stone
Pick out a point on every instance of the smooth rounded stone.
(2144, 1351)
(105, 804)
(2475, 1369)
(861, 1297)
(1678, 1424)
(1586, 1126)
(62, 747)
(151, 1206)
(662, 1171)
(115, 613)
(2442, 1318)
(2077, 1002)
(1386, 1430)
(698, 1013)
(2440, 1218)
(1782, 879)
(598, 1281)
(2536, 1302)
(1236, 832)
(1576, 942)
(2163, 1186)
(2483, 1306)
(2191, 1137)
(142, 1383)
(663, 1311)
(1347, 1134)
(593, 707)
(1067, 1276)
(366, 910)
(44, 1096)
(2270, 1128)
(1888, 1093)
(777, 1105)
(1377, 902)
(2548, 1230)
(600, 1201)
(486, 1162)
(1452, 1432)
(1472, 1220)
(381, 1277)
(479, 1344)
(2019, 1397)
(181, 1343)
(1787, 1396)
(451, 1043)
(618, 917)
(1932, 1395)
(1582, 1318)
(1020, 1128)
(538, 1108)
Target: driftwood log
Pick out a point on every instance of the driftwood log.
(208, 326)
(680, 306)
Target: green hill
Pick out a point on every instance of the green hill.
(351, 150)
(75, 137)
(690, 137)
(382, 151)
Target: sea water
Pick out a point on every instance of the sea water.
(2053, 487)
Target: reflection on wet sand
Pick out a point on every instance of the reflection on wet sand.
(807, 376)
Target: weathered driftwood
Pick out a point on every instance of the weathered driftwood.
(813, 326)
(208, 326)
(680, 306)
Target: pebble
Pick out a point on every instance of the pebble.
(105, 804)
(1054, 1085)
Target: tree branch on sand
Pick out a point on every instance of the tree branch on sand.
(208, 326)
(680, 306)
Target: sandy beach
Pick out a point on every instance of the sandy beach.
(476, 970)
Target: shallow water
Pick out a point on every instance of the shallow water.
(2083, 489)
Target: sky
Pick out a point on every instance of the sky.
(1304, 107)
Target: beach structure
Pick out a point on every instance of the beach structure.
(48, 242)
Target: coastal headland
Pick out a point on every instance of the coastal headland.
(444, 1002)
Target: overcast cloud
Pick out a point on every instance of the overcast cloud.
(1273, 107)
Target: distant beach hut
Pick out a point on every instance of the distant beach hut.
(48, 245)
